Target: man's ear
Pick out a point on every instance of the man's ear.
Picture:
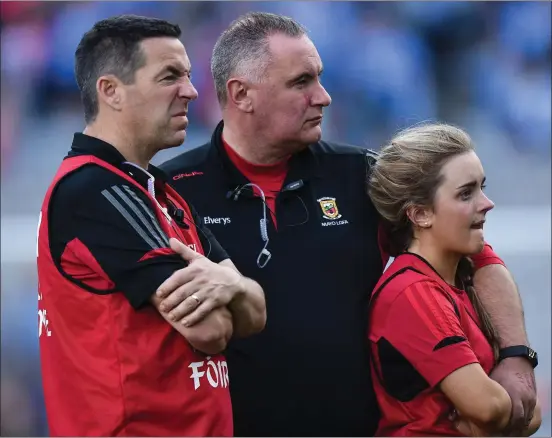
(240, 93)
(110, 91)
(421, 217)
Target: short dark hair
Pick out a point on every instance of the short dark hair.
(112, 46)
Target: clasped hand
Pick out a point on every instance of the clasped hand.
(191, 293)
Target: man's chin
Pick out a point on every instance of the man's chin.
(177, 139)
(306, 139)
(313, 135)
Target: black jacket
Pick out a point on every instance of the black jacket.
(308, 372)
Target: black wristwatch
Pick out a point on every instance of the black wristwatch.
(519, 351)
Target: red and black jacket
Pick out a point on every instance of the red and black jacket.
(421, 329)
(111, 365)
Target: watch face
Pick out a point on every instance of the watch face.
(533, 357)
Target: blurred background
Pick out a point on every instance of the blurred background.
(485, 66)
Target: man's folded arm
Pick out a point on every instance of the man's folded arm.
(104, 235)
(499, 295)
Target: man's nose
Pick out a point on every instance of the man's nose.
(321, 97)
(188, 91)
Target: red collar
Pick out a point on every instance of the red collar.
(255, 171)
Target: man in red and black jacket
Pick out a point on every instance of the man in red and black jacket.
(111, 234)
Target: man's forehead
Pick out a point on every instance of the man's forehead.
(166, 51)
(293, 48)
(294, 53)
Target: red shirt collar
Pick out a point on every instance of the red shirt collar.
(256, 171)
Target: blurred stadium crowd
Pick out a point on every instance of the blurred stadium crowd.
(483, 65)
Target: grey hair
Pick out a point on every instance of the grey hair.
(242, 49)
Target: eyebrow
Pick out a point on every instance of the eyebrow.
(177, 71)
(471, 184)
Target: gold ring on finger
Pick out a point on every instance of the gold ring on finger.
(195, 297)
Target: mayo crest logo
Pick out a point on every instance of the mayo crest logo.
(329, 208)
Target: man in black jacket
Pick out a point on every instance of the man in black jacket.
(293, 213)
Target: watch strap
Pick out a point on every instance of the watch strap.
(519, 351)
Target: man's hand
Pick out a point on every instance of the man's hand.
(211, 335)
(498, 293)
(190, 294)
(516, 375)
(467, 428)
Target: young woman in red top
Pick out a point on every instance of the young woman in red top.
(432, 344)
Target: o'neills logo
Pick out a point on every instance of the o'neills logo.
(186, 175)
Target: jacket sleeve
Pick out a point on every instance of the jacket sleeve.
(105, 236)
